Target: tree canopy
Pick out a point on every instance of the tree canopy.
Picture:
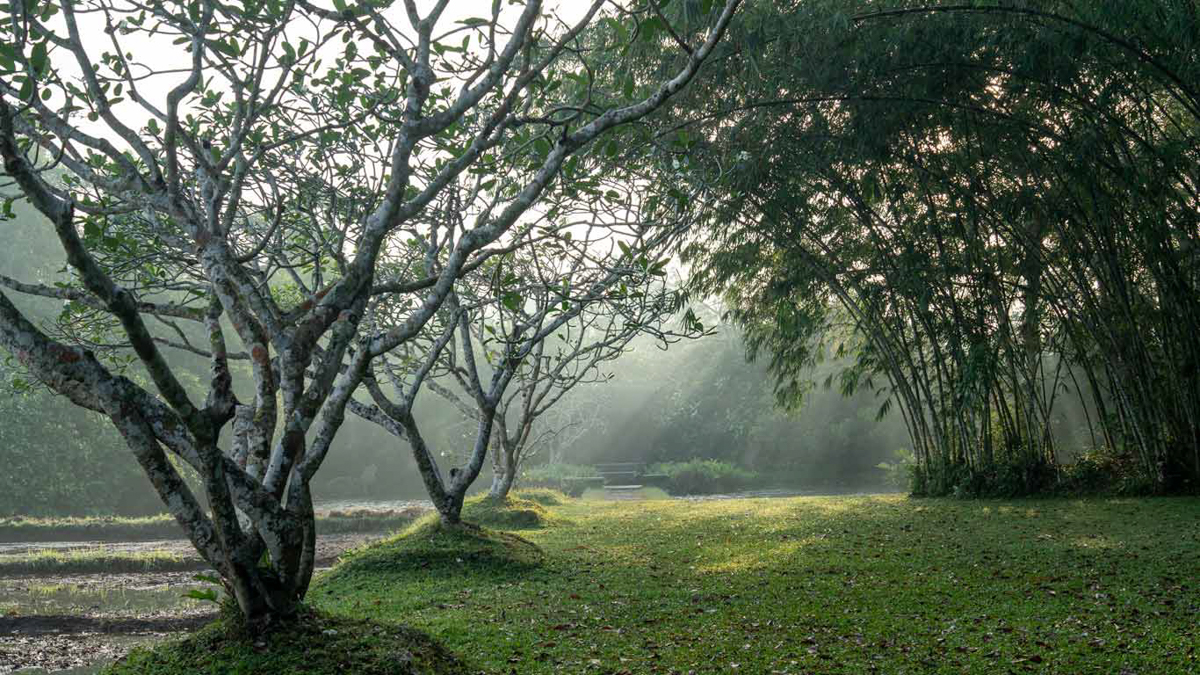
(264, 169)
(992, 207)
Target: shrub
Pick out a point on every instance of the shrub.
(1096, 472)
(704, 476)
(1103, 471)
(1006, 479)
(555, 476)
(901, 471)
(543, 496)
(575, 487)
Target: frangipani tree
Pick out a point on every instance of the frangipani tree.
(530, 326)
(194, 157)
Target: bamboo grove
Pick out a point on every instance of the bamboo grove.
(993, 209)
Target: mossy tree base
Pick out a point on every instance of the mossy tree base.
(437, 549)
(312, 642)
(514, 512)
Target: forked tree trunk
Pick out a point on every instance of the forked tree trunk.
(447, 495)
(264, 595)
(502, 484)
(504, 469)
(450, 509)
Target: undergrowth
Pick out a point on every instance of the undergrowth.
(119, 528)
(54, 562)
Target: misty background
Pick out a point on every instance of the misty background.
(697, 399)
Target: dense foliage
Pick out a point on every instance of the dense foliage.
(36, 480)
(992, 209)
(705, 476)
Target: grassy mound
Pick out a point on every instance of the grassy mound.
(427, 572)
(315, 643)
(515, 513)
(433, 549)
(543, 496)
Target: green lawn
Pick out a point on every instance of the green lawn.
(804, 585)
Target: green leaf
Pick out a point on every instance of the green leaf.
(512, 300)
(227, 47)
(26, 92)
(204, 595)
(8, 56)
(38, 59)
(650, 29)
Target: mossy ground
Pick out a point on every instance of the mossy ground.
(522, 510)
(543, 496)
(800, 585)
(315, 643)
(433, 550)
